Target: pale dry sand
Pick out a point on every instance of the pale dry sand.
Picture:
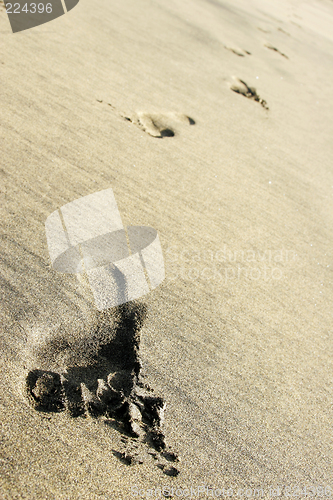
(238, 343)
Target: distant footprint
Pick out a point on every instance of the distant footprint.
(283, 31)
(237, 51)
(240, 87)
(263, 30)
(271, 47)
(160, 124)
(156, 124)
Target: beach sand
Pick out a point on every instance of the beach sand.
(212, 123)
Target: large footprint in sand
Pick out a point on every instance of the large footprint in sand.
(160, 124)
(100, 375)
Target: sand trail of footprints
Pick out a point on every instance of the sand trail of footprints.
(111, 386)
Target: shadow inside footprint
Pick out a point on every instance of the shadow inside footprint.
(45, 390)
(167, 132)
(240, 87)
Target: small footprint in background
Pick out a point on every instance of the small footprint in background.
(237, 51)
(283, 31)
(263, 30)
(160, 124)
(271, 47)
(156, 124)
(240, 87)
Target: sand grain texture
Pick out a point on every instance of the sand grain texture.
(238, 338)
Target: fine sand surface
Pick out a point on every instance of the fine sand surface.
(211, 120)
